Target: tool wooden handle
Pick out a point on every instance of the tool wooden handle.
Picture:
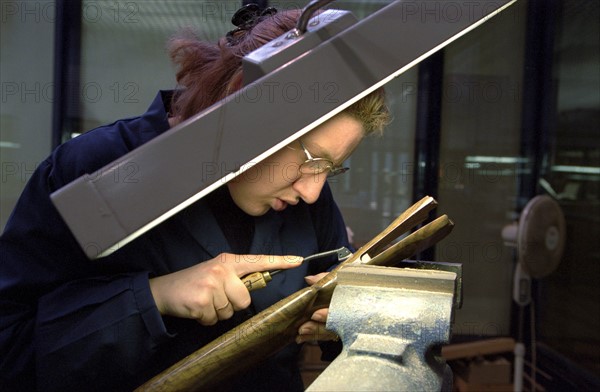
(416, 242)
(275, 327)
(256, 280)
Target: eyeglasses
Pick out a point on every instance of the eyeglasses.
(318, 165)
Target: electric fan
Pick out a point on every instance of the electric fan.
(539, 239)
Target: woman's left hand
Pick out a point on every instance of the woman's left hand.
(314, 329)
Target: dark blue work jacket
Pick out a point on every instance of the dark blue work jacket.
(69, 323)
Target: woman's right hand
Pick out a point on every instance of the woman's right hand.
(212, 290)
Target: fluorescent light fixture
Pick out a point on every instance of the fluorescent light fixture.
(576, 169)
(495, 159)
(174, 170)
(4, 144)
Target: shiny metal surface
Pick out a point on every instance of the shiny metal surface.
(194, 158)
(389, 321)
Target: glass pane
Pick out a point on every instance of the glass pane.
(479, 156)
(123, 58)
(378, 186)
(569, 310)
(26, 72)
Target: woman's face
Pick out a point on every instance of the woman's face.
(275, 182)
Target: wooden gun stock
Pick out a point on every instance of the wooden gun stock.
(275, 327)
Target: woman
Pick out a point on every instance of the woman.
(69, 323)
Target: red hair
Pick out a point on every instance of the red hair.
(208, 72)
